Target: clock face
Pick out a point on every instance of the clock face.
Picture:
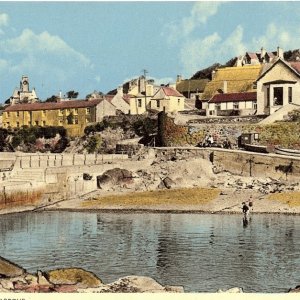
(25, 82)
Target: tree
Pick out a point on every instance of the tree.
(72, 94)
(53, 98)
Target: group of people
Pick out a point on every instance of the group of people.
(209, 141)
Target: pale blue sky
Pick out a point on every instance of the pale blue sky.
(86, 46)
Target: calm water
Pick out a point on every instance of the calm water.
(201, 252)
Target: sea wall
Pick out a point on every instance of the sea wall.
(238, 162)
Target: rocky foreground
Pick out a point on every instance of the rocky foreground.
(14, 278)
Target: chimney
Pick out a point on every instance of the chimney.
(179, 78)
(213, 74)
(262, 54)
(279, 52)
(224, 86)
(120, 90)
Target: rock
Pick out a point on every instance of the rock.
(7, 284)
(41, 279)
(168, 182)
(136, 284)
(72, 276)
(174, 289)
(9, 269)
(232, 290)
(295, 290)
(114, 176)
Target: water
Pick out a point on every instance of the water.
(201, 252)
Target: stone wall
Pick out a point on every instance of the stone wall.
(257, 165)
(284, 134)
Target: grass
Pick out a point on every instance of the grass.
(292, 199)
(193, 196)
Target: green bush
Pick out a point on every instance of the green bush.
(94, 144)
(16, 141)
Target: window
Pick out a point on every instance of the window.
(76, 120)
(178, 102)
(37, 123)
(236, 105)
(8, 114)
(18, 124)
(139, 102)
(88, 111)
(75, 111)
(217, 106)
(61, 111)
(18, 113)
(157, 103)
(44, 123)
(255, 105)
(290, 94)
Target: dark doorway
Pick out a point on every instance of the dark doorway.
(278, 96)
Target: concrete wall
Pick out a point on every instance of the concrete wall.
(257, 165)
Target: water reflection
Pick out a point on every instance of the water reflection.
(201, 252)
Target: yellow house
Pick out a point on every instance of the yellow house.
(167, 99)
(74, 115)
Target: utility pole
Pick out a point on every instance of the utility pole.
(145, 74)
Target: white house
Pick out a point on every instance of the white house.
(277, 86)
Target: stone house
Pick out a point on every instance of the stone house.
(121, 101)
(23, 94)
(232, 104)
(74, 115)
(277, 86)
(192, 89)
(255, 58)
(167, 99)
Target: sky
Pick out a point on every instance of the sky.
(87, 46)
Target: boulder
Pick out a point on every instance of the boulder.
(139, 284)
(168, 182)
(232, 290)
(295, 290)
(72, 276)
(114, 176)
(9, 269)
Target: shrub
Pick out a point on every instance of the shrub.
(94, 144)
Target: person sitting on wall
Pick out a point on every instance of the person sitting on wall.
(227, 144)
(210, 141)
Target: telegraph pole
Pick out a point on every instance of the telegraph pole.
(145, 74)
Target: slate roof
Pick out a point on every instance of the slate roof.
(53, 105)
(233, 97)
(171, 92)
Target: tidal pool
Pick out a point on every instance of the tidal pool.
(202, 252)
